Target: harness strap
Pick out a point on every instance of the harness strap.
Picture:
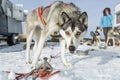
(39, 10)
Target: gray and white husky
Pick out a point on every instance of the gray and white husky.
(113, 34)
(65, 18)
(96, 40)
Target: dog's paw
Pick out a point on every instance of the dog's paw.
(28, 61)
(34, 66)
(68, 65)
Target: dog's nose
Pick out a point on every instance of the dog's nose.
(72, 48)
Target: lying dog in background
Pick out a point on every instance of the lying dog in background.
(96, 40)
(62, 17)
(114, 35)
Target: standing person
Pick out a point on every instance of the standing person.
(106, 22)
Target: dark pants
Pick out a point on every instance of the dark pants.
(105, 31)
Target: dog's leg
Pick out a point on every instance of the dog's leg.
(62, 45)
(29, 39)
(107, 41)
(99, 42)
(35, 46)
(113, 42)
(37, 37)
(41, 42)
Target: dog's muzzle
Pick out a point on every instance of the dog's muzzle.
(71, 49)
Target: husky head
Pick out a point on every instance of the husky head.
(73, 30)
(98, 29)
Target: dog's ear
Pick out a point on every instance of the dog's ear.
(84, 18)
(63, 18)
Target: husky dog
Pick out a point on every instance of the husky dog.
(96, 40)
(114, 35)
(65, 18)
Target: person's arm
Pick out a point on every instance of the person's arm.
(110, 17)
(101, 22)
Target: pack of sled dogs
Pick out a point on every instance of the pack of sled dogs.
(67, 19)
(113, 34)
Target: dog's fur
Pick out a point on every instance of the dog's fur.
(96, 40)
(114, 35)
(62, 17)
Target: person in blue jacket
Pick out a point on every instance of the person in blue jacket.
(106, 21)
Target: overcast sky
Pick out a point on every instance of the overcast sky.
(94, 8)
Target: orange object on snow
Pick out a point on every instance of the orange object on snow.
(43, 75)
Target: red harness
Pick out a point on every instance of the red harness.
(40, 14)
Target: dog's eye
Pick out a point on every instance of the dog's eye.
(78, 33)
(67, 32)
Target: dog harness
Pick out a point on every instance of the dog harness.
(39, 10)
(40, 14)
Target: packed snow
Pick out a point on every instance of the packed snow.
(99, 64)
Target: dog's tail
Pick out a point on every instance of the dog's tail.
(21, 36)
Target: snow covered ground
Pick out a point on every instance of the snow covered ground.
(98, 65)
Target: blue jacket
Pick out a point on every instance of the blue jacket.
(106, 21)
